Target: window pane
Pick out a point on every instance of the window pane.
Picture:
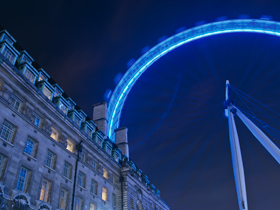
(30, 76)
(7, 131)
(30, 147)
(47, 93)
(105, 173)
(63, 199)
(92, 206)
(50, 159)
(23, 179)
(3, 161)
(104, 194)
(54, 134)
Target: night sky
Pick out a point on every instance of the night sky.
(178, 135)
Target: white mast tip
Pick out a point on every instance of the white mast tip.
(227, 82)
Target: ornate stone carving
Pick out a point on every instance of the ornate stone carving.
(20, 202)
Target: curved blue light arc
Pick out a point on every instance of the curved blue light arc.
(134, 72)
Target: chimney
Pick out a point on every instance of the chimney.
(100, 116)
(121, 140)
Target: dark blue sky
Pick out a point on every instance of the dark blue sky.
(178, 136)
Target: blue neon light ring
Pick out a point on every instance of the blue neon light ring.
(134, 72)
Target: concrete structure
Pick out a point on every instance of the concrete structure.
(52, 155)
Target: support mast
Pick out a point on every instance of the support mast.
(237, 163)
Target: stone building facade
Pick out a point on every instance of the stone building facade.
(54, 156)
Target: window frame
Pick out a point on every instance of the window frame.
(26, 179)
(81, 179)
(69, 170)
(91, 187)
(63, 205)
(52, 161)
(104, 194)
(81, 204)
(46, 194)
(33, 149)
(105, 173)
(12, 131)
(3, 163)
(54, 136)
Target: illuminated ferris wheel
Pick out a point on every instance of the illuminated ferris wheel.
(118, 98)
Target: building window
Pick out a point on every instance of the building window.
(67, 170)
(79, 203)
(63, 108)
(77, 121)
(117, 158)
(105, 173)
(108, 150)
(9, 55)
(50, 161)
(63, 200)
(131, 203)
(30, 76)
(7, 131)
(114, 199)
(83, 156)
(3, 162)
(16, 103)
(93, 187)
(92, 206)
(36, 119)
(70, 146)
(23, 179)
(46, 190)
(47, 93)
(54, 134)
(104, 194)
(31, 147)
(41, 77)
(115, 180)
(81, 179)
(94, 164)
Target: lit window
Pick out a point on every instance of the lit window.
(41, 77)
(30, 76)
(63, 200)
(104, 194)
(105, 173)
(30, 147)
(23, 179)
(67, 170)
(54, 134)
(81, 179)
(7, 131)
(114, 199)
(16, 103)
(70, 146)
(79, 203)
(93, 187)
(47, 93)
(45, 190)
(36, 119)
(50, 161)
(9, 55)
(92, 206)
(3, 161)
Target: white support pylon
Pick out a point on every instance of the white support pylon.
(237, 163)
(263, 139)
